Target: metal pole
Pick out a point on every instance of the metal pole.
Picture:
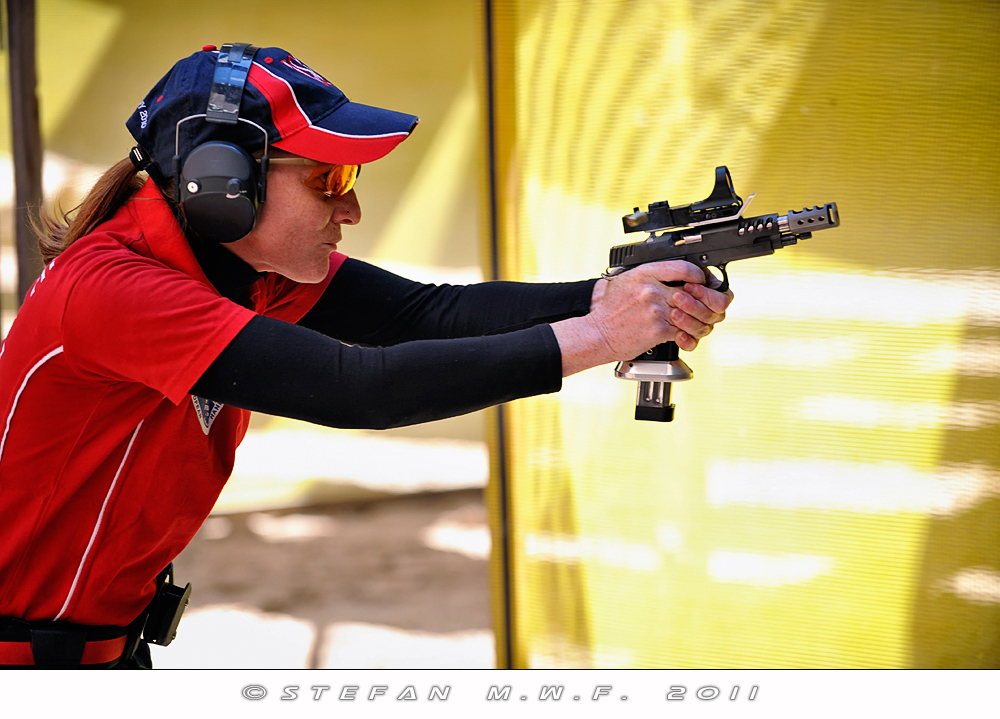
(504, 540)
(26, 137)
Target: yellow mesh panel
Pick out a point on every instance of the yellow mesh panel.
(829, 494)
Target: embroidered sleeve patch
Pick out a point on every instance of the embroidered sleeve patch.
(207, 410)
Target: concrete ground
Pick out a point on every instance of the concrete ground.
(396, 583)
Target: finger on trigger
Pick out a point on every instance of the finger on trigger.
(712, 280)
(673, 270)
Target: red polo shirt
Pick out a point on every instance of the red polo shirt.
(108, 466)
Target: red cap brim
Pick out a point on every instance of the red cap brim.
(352, 134)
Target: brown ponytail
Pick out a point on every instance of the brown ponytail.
(108, 194)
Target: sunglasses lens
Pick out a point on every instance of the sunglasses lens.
(333, 180)
(341, 179)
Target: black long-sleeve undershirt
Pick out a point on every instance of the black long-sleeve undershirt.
(365, 304)
(433, 351)
(280, 368)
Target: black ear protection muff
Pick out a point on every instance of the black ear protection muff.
(219, 186)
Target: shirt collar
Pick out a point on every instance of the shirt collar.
(207, 262)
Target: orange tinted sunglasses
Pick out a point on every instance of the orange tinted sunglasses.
(331, 180)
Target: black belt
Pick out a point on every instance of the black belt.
(60, 645)
(64, 645)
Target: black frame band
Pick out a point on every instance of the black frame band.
(231, 70)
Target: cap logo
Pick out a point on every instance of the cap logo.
(300, 67)
(143, 115)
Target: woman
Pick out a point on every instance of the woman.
(171, 307)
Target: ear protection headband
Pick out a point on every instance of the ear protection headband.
(218, 186)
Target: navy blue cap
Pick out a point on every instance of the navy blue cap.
(301, 111)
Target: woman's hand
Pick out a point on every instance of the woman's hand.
(635, 311)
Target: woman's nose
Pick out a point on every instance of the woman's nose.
(348, 209)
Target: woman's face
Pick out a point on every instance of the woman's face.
(297, 227)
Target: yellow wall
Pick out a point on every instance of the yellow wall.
(829, 494)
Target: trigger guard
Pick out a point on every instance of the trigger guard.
(724, 287)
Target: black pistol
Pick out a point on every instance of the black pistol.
(710, 233)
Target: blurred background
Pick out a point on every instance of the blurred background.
(829, 494)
